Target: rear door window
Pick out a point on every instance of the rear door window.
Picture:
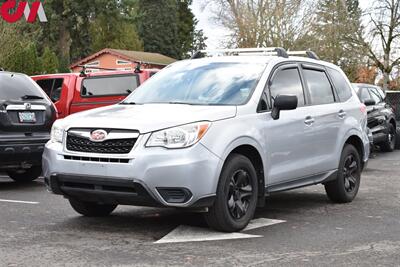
(288, 82)
(319, 87)
(342, 87)
(52, 87)
(18, 86)
(109, 85)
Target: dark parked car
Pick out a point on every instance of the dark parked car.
(381, 117)
(26, 117)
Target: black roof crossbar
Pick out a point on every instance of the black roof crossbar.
(267, 51)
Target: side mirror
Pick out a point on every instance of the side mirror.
(283, 102)
(369, 102)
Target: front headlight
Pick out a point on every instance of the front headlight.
(178, 137)
(57, 132)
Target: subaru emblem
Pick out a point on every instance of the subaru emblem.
(98, 136)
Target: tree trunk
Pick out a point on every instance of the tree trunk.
(64, 43)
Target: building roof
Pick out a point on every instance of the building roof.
(145, 57)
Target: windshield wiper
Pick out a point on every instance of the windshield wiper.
(31, 97)
(128, 103)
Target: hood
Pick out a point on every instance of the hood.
(148, 117)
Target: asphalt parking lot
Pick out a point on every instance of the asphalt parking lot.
(296, 228)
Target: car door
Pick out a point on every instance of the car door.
(289, 139)
(328, 118)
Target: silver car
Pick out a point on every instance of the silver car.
(217, 133)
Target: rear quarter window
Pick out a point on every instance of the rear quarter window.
(342, 88)
(109, 85)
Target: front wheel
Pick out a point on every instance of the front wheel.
(345, 188)
(25, 175)
(91, 209)
(236, 198)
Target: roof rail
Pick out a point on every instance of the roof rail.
(308, 53)
(280, 52)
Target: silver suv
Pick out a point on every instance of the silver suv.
(216, 133)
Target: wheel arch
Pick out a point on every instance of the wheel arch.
(357, 142)
(254, 155)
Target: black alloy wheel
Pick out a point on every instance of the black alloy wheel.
(239, 194)
(345, 187)
(236, 196)
(350, 171)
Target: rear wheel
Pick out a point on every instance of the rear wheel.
(236, 198)
(390, 144)
(25, 175)
(91, 209)
(345, 188)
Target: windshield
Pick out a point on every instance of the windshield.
(200, 83)
(17, 86)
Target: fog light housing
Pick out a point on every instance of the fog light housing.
(175, 195)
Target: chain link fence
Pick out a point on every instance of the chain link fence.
(393, 99)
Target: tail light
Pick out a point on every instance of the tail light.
(363, 109)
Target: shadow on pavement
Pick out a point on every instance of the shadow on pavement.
(8, 184)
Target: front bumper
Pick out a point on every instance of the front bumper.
(147, 176)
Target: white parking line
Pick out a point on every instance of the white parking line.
(184, 233)
(19, 201)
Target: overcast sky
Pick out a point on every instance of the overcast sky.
(215, 33)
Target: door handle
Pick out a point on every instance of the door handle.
(309, 121)
(342, 114)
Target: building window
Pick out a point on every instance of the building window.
(123, 62)
(88, 71)
(124, 69)
(93, 64)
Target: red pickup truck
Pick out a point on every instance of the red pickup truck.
(74, 92)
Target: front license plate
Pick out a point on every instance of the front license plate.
(27, 117)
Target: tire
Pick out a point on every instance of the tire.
(91, 209)
(25, 175)
(390, 144)
(236, 198)
(345, 188)
(397, 146)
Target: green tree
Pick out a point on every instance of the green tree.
(113, 26)
(334, 33)
(186, 27)
(158, 26)
(50, 63)
(199, 41)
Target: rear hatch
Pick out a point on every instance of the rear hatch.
(24, 107)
